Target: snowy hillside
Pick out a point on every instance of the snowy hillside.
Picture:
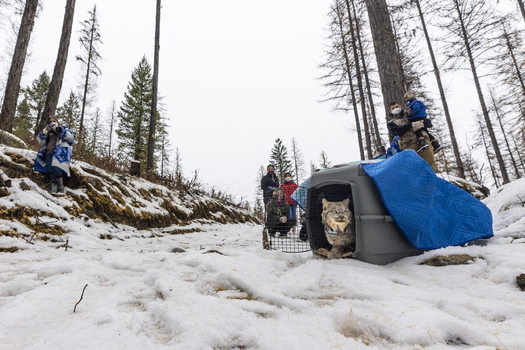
(88, 282)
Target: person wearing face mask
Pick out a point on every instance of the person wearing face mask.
(289, 186)
(55, 156)
(278, 214)
(399, 125)
(269, 183)
(416, 110)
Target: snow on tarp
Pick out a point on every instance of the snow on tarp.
(430, 211)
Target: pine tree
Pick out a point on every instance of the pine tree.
(134, 114)
(23, 121)
(279, 159)
(69, 112)
(36, 97)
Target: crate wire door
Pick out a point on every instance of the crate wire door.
(288, 242)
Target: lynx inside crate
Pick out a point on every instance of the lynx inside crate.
(378, 240)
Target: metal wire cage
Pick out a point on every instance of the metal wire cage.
(291, 237)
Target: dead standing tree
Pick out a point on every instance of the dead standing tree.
(351, 26)
(437, 74)
(470, 25)
(339, 66)
(89, 40)
(358, 23)
(60, 65)
(12, 89)
(154, 92)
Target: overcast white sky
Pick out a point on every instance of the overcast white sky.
(235, 75)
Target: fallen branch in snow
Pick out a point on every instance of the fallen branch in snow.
(522, 202)
(82, 296)
(108, 219)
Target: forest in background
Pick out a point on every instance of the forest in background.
(431, 39)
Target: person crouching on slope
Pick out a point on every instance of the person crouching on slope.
(55, 156)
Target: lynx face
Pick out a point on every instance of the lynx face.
(336, 215)
(338, 227)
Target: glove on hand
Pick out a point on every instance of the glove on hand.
(284, 219)
(417, 125)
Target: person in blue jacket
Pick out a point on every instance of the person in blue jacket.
(416, 111)
(54, 158)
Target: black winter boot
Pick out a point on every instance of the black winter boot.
(437, 147)
(60, 184)
(421, 145)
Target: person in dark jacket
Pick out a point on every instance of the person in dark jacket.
(278, 214)
(416, 110)
(399, 125)
(269, 183)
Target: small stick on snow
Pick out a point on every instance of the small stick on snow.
(82, 296)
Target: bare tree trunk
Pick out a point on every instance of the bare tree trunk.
(496, 109)
(518, 152)
(60, 65)
(365, 73)
(111, 125)
(387, 57)
(457, 155)
(514, 59)
(349, 75)
(351, 22)
(12, 88)
(484, 109)
(86, 85)
(153, 118)
(496, 182)
(522, 8)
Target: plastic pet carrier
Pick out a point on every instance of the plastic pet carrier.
(378, 239)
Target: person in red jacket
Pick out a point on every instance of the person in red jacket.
(289, 186)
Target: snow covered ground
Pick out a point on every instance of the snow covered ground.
(225, 292)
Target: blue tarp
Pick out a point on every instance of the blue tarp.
(431, 212)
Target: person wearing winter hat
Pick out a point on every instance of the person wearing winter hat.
(417, 111)
(54, 157)
(278, 214)
(269, 183)
(399, 126)
(289, 186)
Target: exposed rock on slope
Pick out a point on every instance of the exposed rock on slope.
(97, 194)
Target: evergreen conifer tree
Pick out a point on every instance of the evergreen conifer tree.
(133, 116)
(279, 159)
(69, 112)
(36, 97)
(23, 121)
